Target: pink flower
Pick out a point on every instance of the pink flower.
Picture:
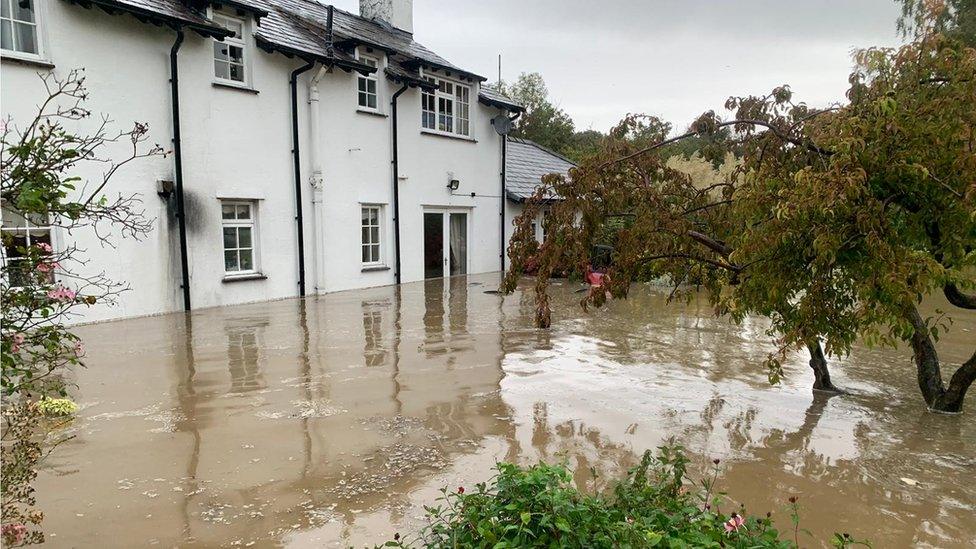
(45, 247)
(79, 348)
(48, 267)
(18, 340)
(14, 533)
(62, 294)
(734, 523)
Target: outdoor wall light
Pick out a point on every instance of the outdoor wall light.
(453, 184)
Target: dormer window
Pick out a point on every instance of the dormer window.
(18, 26)
(229, 55)
(446, 109)
(368, 98)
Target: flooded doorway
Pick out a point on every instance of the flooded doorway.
(445, 243)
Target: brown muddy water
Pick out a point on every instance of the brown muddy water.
(329, 421)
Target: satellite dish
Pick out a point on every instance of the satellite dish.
(502, 124)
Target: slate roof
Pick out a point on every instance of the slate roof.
(300, 28)
(494, 98)
(526, 162)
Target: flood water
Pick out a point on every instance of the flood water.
(329, 421)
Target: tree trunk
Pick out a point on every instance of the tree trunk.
(936, 395)
(821, 375)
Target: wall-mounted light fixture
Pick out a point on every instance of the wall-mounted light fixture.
(453, 183)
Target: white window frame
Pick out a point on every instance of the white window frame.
(26, 230)
(362, 80)
(365, 239)
(40, 37)
(434, 119)
(237, 223)
(227, 21)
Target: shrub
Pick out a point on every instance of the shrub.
(538, 506)
(57, 407)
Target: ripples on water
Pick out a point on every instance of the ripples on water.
(329, 421)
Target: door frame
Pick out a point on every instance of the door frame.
(446, 212)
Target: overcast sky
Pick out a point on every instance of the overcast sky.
(671, 58)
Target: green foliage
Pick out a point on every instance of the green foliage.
(655, 506)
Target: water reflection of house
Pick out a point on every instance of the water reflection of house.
(386, 383)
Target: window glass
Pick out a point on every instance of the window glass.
(18, 26)
(239, 230)
(18, 234)
(371, 235)
(367, 85)
(446, 108)
(229, 53)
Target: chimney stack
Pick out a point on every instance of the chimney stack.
(398, 13)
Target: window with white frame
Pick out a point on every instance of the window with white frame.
(19, 233)
(447, 108)
(18, 26)
(240, 237)
(372, 241)
(367, 85)
(229, 61)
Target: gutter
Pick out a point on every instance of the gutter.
(316, 178)
(178, 169)
(299, 218)
(396, 185)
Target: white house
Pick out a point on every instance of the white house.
(318, 150)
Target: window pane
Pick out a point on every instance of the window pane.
(230, 261)
(25, 37)
(227, 211)
(365, 235)
(243, 211)
(365, 253)
(237, 73)
(220, 51)
(244, 237)
(222, 70)
(362, 84)
(247, 260)
(374, 234)
(236, 54)
(5, 9)
(6, 34)
(230, 238)
(23, 11)
(375, 252)
(363, 100)
(371, 86)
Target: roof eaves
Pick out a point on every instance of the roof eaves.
(114, 6)
(236, 4)
(346, 64)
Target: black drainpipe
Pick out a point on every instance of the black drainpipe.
(299, 219)
(396, 189)
(178, 157)
(501, 255)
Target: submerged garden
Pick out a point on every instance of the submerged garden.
(813, 243)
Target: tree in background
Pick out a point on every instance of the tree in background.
(542, 122)
(835, 225)
(43, 284)
(955, 19)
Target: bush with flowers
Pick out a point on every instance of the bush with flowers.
(655, 506)
(42, 285)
